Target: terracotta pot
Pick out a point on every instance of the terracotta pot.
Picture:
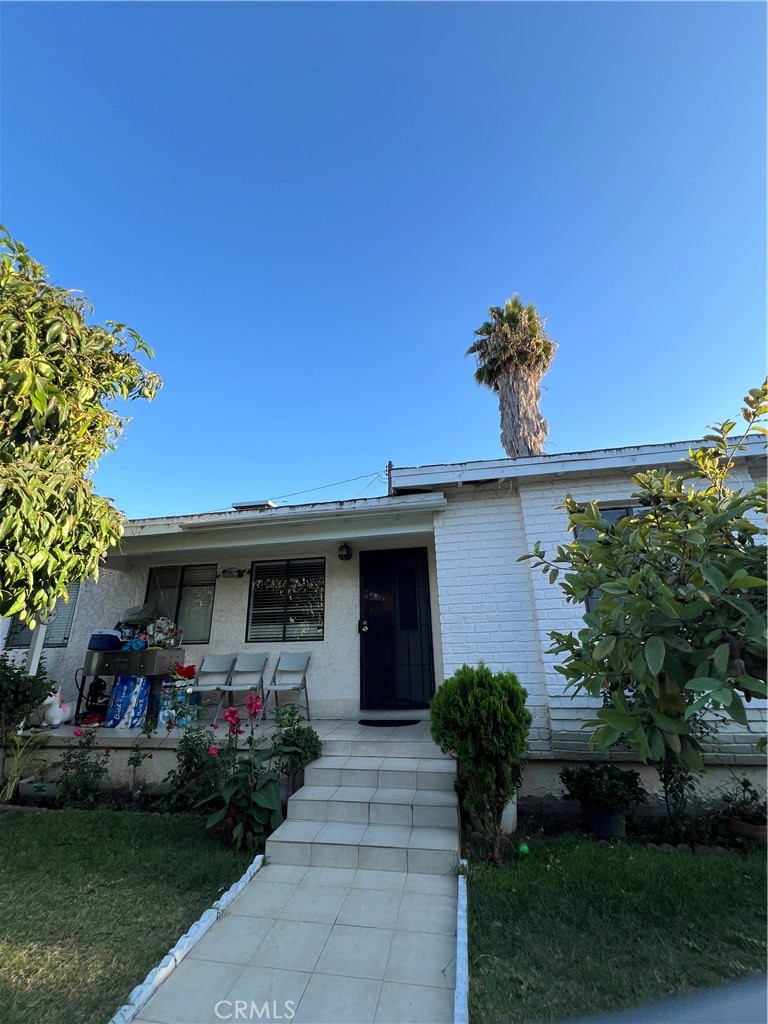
(747, 830)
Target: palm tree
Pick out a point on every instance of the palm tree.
(513, 353)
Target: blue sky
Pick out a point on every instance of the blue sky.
(307, 210)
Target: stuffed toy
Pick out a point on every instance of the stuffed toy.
(56, 711)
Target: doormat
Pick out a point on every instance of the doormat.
(388, 722)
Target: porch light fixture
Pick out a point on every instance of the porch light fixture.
(345, 552)
(233, 574)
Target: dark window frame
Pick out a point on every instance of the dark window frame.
(283, 626)
(180, 589)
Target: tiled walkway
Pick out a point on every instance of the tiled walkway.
(334, 945)
(323, 935)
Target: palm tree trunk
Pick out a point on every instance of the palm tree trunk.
(523, 428)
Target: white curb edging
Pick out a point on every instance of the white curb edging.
(461, 994)
(142, 993)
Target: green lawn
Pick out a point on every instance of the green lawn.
(91, 901)
(577, 927)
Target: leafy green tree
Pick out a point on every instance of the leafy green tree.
(513, 353)
(59, 375)
(677, 628)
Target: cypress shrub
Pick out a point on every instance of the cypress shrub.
(480, 718)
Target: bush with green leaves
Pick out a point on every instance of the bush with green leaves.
(83, 766)
(301, 743)
(199, 770)
(248, 805)
(480, 718)
(745, 802)
(20, 695)
(605, 785)
(677, 627)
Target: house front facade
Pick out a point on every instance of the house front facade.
(389, 595)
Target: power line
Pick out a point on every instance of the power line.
(325, 487)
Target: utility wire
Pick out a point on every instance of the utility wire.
(325, 487)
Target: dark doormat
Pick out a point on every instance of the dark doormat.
(388, 722)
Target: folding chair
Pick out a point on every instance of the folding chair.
(213, 674)
(290, 674)
(247, 673)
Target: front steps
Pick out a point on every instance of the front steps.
(373, 810)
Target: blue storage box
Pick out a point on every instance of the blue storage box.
(105, 640)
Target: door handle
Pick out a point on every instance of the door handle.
(362, 626)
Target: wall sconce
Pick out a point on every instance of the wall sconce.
(233, 574)
(345, 552)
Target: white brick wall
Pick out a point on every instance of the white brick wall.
(486, 606)
(497, 609)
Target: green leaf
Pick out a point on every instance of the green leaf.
(618, 720)
(670, 724)
(216, 817)
(603, 647)
(691, 756)
(714, 578)
(655, 652)
(736, 709)
(702, 683)
(721, 657)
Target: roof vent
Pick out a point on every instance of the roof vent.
(251, 506)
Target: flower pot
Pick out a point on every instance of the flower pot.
(35, 789)
(604, 824)
(747, 830)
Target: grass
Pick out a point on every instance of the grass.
(91, 901)
(576, 927)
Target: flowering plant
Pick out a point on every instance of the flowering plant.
(83, 766)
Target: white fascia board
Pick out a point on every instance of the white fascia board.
(602, 461)
(371, 517)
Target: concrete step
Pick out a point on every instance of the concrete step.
(422, 808)
(380, 772)
(337, 844)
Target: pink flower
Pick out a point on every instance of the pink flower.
(77, 732)
(215, 727)
(212, 750)
(253, 704)
(107, 751)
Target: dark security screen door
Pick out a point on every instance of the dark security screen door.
(396, 669)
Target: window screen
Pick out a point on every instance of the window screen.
(184, 594)
(287, 600)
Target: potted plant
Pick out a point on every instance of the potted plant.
(606, 793)
(23, 750)
(298, 746)
(744, 811)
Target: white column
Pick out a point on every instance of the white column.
(35, 648)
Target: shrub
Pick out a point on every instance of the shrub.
(300, 744)
(198, 772)
(604, 785)
(249, 807)
(480, 718)
(20, 694)
(745, 803)
(82, 768)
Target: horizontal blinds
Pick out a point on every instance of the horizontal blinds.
(287, 600)
(184, 594)
(58, 629)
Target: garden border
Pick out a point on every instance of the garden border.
(140, 995)
(461, 992)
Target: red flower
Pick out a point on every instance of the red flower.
(107, 751)
(213, 751)
(77, 732)
(253, 704)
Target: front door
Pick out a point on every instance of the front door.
(396, 668)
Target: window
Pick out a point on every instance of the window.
(611, 516)
(287, 600)
(58, 628)
(184, 594)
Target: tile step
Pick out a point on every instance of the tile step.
(383, 848)
(422, 808)
(390, 748)
(382, 772)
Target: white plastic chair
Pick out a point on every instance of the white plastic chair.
(247, 673)
(290, 673)
(213, 674)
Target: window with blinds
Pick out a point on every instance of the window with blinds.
(57, 630)
(611, 516)
(287, 600)
(184, 594)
